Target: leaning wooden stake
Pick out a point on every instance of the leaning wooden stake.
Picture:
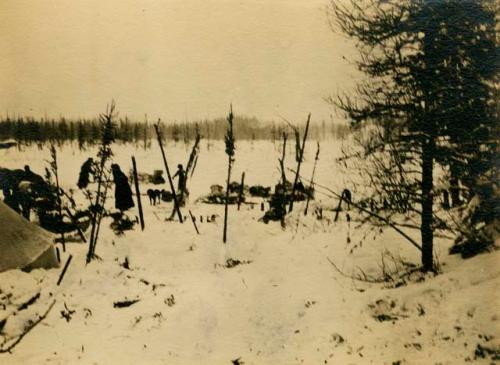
(138, 193)
(301, 157)
(311, 186)
(64, 269)
(194, 222)
(242, 187)
(229, 140)
(172, 188)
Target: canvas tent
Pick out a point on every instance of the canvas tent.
(24, 245)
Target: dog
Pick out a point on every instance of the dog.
(154, 196)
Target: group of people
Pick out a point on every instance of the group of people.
(123, 192)
(22, 189)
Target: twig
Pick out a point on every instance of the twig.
(389, 223)
(365, 280)
(28, 329)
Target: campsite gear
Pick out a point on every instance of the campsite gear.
(22, 187)
(157, 177)
(123, 192)
(166, 196)
(23, 244)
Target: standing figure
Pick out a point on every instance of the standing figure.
(181, 183)
(85, 171)
(39, 185)
(123, 193)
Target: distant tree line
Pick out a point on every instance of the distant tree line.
(86, 132)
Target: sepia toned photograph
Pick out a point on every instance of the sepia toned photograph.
(258, 182)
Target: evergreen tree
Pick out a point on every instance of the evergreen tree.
(425, 93)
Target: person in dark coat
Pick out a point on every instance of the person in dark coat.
(123, 193)
(39, 185)
(85, 171)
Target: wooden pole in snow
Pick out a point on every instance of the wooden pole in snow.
(242, 187)
(311, 186)
(294, 187)
(176, 202)
(194, 222)
(229, 140)
(64, 269)
(138, 193)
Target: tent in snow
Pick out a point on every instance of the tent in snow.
(24, 245)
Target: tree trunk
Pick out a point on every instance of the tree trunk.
(454, 188)
(428, 148)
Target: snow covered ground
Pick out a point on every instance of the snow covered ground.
(285, 303)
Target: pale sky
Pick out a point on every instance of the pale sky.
(174, 59)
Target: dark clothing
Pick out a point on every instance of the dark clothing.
(22, 188)
(11, 201)
(181, 184)
(123, 193)
(85, 171)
